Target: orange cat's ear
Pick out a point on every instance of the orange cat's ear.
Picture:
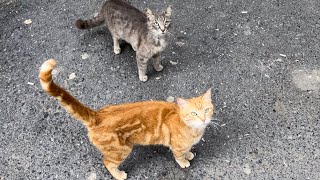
(207, 96)
(182, 102)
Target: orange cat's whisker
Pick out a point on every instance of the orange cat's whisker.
(216, 126)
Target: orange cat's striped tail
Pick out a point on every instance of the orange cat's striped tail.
(72, 105)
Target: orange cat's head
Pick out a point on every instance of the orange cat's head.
(197, 112)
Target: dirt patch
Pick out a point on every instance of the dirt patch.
(307, 79)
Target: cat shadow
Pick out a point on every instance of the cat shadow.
(215, 144)
(146, 156)
(102, 36)
(221, 140)
(211, 146)
(182, 54)
(172, 58)
(95, 36)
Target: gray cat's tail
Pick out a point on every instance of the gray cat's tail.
(90, 23)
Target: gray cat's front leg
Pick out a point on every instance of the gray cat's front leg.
(134, 47)
(157, 62)
(116, 46)
(142, 68)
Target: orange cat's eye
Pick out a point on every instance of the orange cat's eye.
(207, 110)
(194, 113)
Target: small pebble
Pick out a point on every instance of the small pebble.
(247, 169)
(173, 63)
(72, 76)
(84, 56)
(28, 21)
(180, 44)
(170, 99)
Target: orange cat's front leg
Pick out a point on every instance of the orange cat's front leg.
(189, 156)
(182, 157)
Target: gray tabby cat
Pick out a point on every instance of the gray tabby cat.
(146, 32)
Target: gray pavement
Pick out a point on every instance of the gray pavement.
(260, 58)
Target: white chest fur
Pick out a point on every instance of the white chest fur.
(159, 45)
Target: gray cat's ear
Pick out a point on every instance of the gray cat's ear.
(149, 15)
(168, 12)
(207, 95)
(182, 102)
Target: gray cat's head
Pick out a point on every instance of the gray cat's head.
(159, 24)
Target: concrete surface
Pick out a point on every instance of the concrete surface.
(260, 58)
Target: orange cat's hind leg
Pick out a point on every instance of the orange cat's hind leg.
(114, 171)
(113, 158)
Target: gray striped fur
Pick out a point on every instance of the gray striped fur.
(146, 32)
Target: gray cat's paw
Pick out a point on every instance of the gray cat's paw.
(158, 68)
(117, 51)
(143, 78)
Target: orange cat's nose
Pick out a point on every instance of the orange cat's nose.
(202, 119)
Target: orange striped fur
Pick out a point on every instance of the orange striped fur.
(115, 129)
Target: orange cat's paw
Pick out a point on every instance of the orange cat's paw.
(183, 163)
(120, 175)
(189, 156)
(117, 174)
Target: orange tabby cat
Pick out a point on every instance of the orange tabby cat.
(115, 129)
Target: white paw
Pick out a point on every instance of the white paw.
(158, 68)
(189, 156)
(143, 78)
(121, 175)
(117, 51)
(183, 163)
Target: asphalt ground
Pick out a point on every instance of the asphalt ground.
(259, 57)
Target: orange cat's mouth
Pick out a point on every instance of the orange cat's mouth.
(196, 124)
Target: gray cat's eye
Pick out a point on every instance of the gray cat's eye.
(194, 113)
